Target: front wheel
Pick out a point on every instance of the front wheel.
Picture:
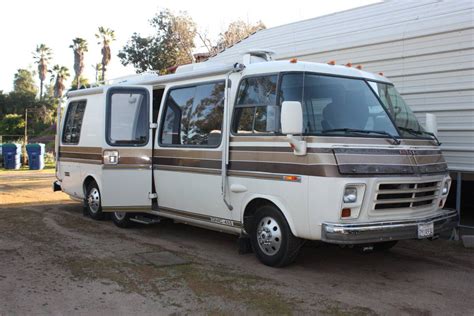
(271, 237)
(122, 219)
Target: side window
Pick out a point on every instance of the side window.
(255, 110)
(73, 122)
(193, 115)
(127, 117)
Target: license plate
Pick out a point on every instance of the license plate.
(425, 230)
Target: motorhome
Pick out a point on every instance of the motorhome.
(276, 152)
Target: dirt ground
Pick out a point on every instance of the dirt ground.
(53, 260)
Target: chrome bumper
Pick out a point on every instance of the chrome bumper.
(371, 232)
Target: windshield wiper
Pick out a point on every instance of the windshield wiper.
(418, 132)
(362, 131)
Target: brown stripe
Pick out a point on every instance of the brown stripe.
(135, 160)
(352, 159)
(286, 149)
(187, 169)
(201, 217)
(77, 149)
(421, 160)
(85, 156)
(364, 169)
(125, 166)
(196, 163)
(282, 157)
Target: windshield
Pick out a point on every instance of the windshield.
(336, 104)
(404, 118)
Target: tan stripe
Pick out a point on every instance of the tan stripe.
(333, 139)
(135, 152)
(145, 160)
(125, 166)
(183, 153)
(279, 157)
(202, 217)
(85, 161)
(428, 159)
(187, 169)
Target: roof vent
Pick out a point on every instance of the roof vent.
(257, 56)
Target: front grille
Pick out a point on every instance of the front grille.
(406, 196)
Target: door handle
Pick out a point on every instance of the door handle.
(111, 157)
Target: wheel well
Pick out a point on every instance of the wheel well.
(251, 208)
(88, 180)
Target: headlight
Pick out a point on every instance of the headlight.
(445, 188)
(350, 195)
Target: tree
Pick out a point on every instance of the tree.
(12, 124)
(106, 36)
(42, 56)
(23, 82)
(98, 72)
(59, 75)
(83, 84)
(236, 31)
(79, 46)
(171, 44)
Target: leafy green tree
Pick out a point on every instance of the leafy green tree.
(79, 46)
(23, 82)
(171, 44)
(106, 36)
(42, 57)
(12, 124)
(237, 31)
(83, 84)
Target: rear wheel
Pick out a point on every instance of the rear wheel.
(93, 202)
(271, 237)
(122, 219)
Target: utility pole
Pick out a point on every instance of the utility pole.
(25, 139)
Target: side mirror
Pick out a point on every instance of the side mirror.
(291, 118)
(292, 123)
(431, 124)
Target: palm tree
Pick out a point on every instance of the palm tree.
(106, 36)
(42, 56)
(59, 75)
(79, 46)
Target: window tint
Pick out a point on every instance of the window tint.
(257, 91)
(128, 122)
(73, 122)
(335, 103)
(193, 115)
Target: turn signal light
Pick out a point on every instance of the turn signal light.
(291, 178)
(346, 212)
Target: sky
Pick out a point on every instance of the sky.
(27, 23)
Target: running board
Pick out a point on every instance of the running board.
(145, 220)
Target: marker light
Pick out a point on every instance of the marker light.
(349, 64)
(332, 62)
(346, 212)
(359, 67)
(350, 195)
(445, 188)
(381, 73)
(293, 60)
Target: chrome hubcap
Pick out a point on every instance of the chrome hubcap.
(120, 215)
(269, 236)
(93, 200)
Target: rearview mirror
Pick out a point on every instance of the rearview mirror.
(291, 118)
(431, 124)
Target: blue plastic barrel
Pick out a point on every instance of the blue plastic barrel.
(35, 156)
(11, 156)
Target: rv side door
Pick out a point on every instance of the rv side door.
(127, 174)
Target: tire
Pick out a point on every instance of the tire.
(122, 219)
(93, 202)
(271, 238)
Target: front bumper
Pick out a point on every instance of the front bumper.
(371, 232)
